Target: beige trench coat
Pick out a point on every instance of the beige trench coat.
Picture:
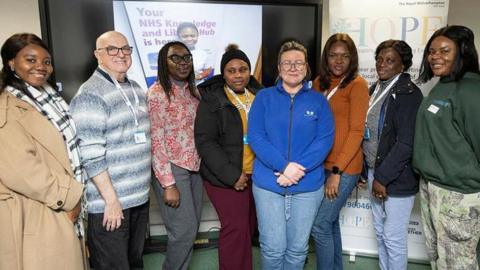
(36, 188)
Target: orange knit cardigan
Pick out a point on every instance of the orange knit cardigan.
(349, 106)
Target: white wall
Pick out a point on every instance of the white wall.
(466, 12)
(18, 16)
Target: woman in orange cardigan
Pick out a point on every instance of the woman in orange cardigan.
(347, 94)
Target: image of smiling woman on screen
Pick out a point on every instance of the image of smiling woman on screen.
(188, 34)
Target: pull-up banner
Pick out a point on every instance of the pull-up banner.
(369, 22)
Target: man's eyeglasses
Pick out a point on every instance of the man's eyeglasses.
(113, 51)
(297, 65)
(187, 58)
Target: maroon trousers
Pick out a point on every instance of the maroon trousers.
(236, 211)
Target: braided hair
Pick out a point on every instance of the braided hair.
(162, 75)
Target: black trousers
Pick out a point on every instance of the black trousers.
(121, 249)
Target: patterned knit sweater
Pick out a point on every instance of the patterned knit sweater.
(106, 129)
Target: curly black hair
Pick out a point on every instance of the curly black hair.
(401, 47)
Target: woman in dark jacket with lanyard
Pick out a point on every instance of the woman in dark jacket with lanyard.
(227, 161)
(388, 148)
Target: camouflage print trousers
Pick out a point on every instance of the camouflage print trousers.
(451, 224)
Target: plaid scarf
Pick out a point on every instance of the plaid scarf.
(49, 103)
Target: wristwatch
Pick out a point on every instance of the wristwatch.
(336, 170)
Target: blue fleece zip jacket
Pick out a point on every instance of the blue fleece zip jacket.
(283, 129)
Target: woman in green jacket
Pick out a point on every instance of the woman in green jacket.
(447, 149)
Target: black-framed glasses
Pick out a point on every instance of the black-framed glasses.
(113, 51)
(177, 59)
(297, 65)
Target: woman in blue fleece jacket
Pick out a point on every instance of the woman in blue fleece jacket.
(291, 132)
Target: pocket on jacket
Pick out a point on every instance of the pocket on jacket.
(33, 215)
(309, 124)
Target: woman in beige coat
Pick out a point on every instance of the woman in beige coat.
(40, 175)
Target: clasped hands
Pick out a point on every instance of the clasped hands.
(291, 175)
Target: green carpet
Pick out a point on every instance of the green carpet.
(206, 259)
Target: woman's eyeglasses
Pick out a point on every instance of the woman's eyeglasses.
(177, 59)
(297, 65)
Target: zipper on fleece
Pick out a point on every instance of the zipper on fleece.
(290, 129)
(290, 134)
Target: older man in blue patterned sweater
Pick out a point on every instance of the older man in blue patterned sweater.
(114, 131)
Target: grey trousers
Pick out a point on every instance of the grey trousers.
(182, 222)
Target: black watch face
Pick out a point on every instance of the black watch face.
(335, 170)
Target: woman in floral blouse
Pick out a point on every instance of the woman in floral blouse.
(172, 104)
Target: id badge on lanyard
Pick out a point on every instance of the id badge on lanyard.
(366, 134)
(140, 137)
(241, 106)
(374, 100)
(245, 139)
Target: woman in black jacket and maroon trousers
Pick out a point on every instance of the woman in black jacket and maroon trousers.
(227, 160)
